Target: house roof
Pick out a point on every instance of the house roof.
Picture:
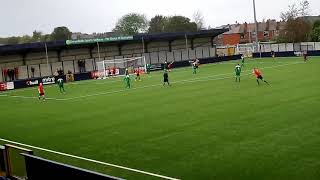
(234, 29)
(270, 25)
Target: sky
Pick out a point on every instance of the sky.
(20, 17)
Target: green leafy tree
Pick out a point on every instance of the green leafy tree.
(3, 40)
(25, 39)
(316, 24)
(158, 24)
(315, 34)
(131, 24)
(13, 40)
(180, 24)
(60, 33)
(45, 38)
(36, 36)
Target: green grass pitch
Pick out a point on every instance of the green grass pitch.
(205, 126)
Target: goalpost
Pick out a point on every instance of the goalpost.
(118, 67)
(245, 49)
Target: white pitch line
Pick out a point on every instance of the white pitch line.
(87, 159)
(29, 97)
(200, 79)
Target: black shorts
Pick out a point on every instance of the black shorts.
(138, 75)
(165, 80)
(41, 94)
(260, 77)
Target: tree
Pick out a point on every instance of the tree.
(180, 24)
(157, 24)
(25, 39)
(304, 8)
(291, 13)
(315, 34)
(45, 38)
(316, 24)
(13, 40)
(295, 11)
(3, 41)
(60, 33)
(198, 19)
(131, 24)
(297, 29)
(36, 36)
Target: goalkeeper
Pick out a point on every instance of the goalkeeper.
(61, 85)
(127, 81)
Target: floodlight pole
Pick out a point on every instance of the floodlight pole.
(256, 25)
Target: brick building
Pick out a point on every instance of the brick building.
(245, 33)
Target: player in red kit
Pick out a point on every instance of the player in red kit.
(114, 71)
(170, 66)
(258, 75)
(41, 92)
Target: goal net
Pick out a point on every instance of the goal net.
(245, 49)
(119, 67)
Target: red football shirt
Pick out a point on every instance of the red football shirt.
(256, 72)
(40, 89)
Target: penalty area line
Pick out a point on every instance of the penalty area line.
(89, 160)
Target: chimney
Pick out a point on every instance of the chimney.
(245, 27)
(278, 26)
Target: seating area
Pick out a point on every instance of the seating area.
(36, 64)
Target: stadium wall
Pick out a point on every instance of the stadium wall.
(285, 54)
(288, 47)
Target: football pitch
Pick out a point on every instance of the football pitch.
(205, 126)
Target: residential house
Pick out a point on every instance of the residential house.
(245, 33)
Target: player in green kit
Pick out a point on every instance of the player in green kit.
(148, 68)
(61, 85)
(194, 68)
(166, 78)
(127, 81)
(238, 72)
(242, 61)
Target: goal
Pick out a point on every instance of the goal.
(245, 49)
(118, 67)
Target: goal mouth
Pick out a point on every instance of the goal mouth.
(119, 67)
